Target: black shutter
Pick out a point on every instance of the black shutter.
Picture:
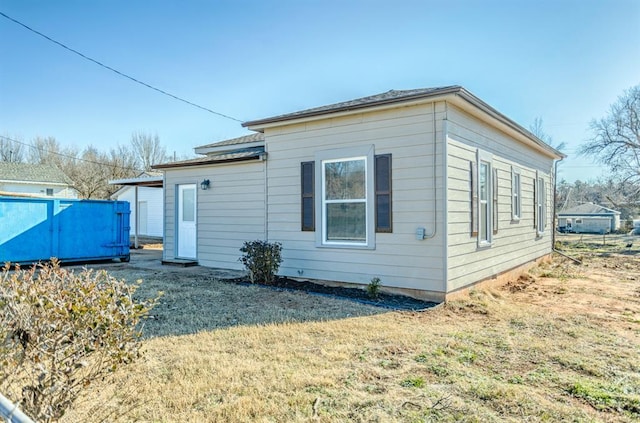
(307, 203)
(382, 172)
(535, 202)
(496, 217)
(473, 179)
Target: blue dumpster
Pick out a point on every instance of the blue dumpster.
(36, 229)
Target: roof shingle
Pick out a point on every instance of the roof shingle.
(26, 172)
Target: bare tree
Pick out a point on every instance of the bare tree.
(537, 129)
(10, 150)
(49, 151)
(616, 139)
(147, 149)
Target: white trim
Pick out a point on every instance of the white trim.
(365, 153)
(486, 158)
(516, 194)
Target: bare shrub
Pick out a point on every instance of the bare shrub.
(60, 331)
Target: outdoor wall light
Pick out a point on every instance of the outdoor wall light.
(204, 185)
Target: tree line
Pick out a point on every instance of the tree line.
(89, 169)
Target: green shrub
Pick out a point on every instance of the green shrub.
(60, 331)
(262, 260)
(373, 288)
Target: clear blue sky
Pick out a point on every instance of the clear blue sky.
(564, 61)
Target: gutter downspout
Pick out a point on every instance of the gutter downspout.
(555, 196)
(445, 164)
(553, 236)
(434, 177)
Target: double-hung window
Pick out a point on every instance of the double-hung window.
(344, 201)
(484, 190)
(541, 206)
(516, 197)
(483, 199)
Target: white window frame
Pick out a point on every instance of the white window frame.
(365, 153)
(516, 194)
(541, 206)
(485, 159)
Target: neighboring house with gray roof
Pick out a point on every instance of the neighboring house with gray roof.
(39, 180)
(588, 218)
(431, 190)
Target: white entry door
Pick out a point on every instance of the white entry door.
(187, 221)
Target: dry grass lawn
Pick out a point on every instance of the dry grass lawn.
(561, 344)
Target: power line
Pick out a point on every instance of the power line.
(117, 71)
(67, 155)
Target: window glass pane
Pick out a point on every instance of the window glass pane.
(188, 205)
(345, 180)
(346, 222)
(484, 227)
(484, 177)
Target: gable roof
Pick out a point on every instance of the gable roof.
(455, 93)
(588, 208)
(33, 173)
(238, 155)
(254, 137)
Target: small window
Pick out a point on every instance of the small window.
(540, 205)
(188, 205)
(516, 197)
(577, 221)
(483, 199)
(50, 192)
(483, 191)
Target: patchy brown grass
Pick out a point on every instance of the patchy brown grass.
(561, 344)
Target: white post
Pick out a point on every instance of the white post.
(10, 412)
(135, 242)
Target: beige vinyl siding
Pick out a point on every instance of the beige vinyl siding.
(398, 258)
(515, 243)
(230, 212)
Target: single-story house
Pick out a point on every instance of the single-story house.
(430, 190)
(35, 180)
(146, 198)
(588, 218)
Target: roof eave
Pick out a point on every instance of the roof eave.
(143, 182)
(229, 147)
(209, 162)
(260, 124)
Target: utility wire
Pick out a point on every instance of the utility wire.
(117, 71)
(67, 155)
